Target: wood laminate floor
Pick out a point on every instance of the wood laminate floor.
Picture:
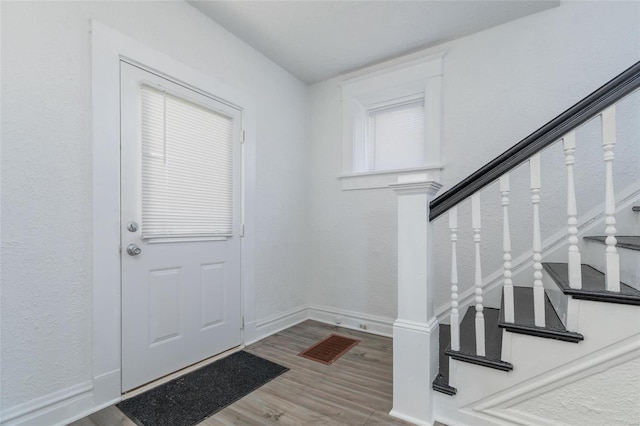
(355, 390)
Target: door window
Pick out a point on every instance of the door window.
(187, 167)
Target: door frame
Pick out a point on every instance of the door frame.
(109, 47)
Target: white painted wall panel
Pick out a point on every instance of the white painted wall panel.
(46, 175)
(499, 86)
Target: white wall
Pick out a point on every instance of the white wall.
(499, 86)
(607, 397)
(46, 175)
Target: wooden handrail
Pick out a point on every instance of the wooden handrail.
(611, 92)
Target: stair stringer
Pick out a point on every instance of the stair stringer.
(504, 405)
(537, 363)
(554, 249)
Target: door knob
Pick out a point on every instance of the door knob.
(133, 250)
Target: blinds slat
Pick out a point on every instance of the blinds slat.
(187, 167)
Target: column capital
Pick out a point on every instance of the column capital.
(407, 186)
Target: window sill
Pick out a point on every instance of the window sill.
(384, 178)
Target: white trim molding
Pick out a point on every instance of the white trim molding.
(53, 408)
(416, 326)
(419, 183)
(276, 323)
(373, 324)
(419, 78)
(385, 178)
(409, 419)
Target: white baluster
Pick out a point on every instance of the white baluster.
(507, 288)
(455, 315)
(475, 222)
(575, 271)
(608, 142)
(538, 288)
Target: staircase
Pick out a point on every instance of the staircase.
(593, 289)
(565, 325)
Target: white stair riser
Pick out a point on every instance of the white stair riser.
(593, 254)
(558, 299)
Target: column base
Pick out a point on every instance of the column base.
(415, 365)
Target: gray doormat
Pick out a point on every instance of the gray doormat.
(190, 399)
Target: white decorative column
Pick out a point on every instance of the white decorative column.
(415, 332)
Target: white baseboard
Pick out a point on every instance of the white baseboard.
(409, 419)
(66, 405)
(382, 326)
(106, 389)
(52, 409)
(91, 410)
(275, 323)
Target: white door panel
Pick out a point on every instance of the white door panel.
(181, 295)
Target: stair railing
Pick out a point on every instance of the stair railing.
(416, 329)
(600, 103)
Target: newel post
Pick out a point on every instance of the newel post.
(415, 332)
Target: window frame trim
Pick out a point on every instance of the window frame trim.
(417, 78)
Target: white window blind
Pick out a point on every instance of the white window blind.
(396, 137)
(187, 168)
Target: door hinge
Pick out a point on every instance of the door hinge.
(242, 230)
(244, 134)
(242, 327)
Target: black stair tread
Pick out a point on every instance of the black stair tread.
(441, 382)
(493, 341)
(524, 321)
(593, 285)
(631, 242)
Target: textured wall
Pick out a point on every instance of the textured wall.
(610, 397)
(353, 263)
(46, 175)
(499, 86)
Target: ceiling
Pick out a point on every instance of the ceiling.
(317, 40)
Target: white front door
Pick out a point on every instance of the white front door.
(180, 226)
